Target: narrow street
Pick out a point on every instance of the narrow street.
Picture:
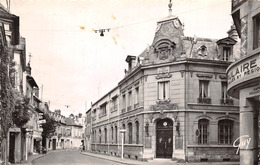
(69, 158)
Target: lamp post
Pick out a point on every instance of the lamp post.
(122, 131)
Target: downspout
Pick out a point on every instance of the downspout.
(185, 116)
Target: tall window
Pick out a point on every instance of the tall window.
(124, 128)
(130, 133)
(100, 135)
(112, 134)
(123, 102)
(163, 90)
(256, 32)
(136, 97)
(103, 109)
(129, 99)
(204, 88)
(224, 91)
(114, 104)
(115, 134)
(105, 130)
(137, 132)
(226, 53)
(203, 131)
(225, 131)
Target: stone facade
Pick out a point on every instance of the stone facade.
(172, 102)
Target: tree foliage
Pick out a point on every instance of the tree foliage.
(49, 127)
(7, 103)
(21, 113)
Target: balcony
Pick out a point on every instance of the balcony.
(204, 100)
(226, 101)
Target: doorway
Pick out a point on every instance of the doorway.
(11, 147)
(164, 138)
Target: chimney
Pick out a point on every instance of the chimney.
(131, 62)
(233, 32)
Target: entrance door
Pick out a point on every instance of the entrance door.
(11, 147)
(164, 137)
(54, 144)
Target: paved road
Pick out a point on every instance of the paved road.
(70, 158)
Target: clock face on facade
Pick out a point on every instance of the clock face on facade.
(165, 124)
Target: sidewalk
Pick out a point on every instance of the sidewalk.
(153, 162)
(30, 159)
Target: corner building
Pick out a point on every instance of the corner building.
(244, 76)
(172, 102)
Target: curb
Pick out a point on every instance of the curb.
(106, 159)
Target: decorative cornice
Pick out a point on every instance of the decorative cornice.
(204, 75)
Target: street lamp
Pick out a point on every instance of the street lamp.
(122, 131)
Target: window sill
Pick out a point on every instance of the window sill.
(211, 146)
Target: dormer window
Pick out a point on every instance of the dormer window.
(226, 54)
(202, 52)
(164, 48)
(131, 62)
(226, 48)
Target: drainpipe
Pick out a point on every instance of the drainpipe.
(185, 116)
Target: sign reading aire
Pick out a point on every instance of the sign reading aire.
(247, 68)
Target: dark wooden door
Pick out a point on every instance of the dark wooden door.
(54, 144)
(11, 147)
(164, 137)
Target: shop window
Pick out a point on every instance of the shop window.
(123, 127)
(256, 32)
(225, 131)
(163, 90)
(203, 125)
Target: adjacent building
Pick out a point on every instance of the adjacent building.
(244, 76)
(173, 101)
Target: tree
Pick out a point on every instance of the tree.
(49, 127)
(21, 113)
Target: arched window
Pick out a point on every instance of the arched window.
(137, 131)
(115, 134)
(99, 134)
(123, 126)
(112, 134)
(203, 125)
(105, 130)
(225, 131)
(130, 133)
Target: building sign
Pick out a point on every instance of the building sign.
(247, 68)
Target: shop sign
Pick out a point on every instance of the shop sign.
(247, 68)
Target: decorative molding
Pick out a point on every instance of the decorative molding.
(191, 73)
(223, 76)
(182, 72)
(204, 75)
(163, 105)
(163, 72)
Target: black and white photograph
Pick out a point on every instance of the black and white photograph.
(136, 82)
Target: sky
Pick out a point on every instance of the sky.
(75, 66)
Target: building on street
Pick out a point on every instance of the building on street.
(244, 76)
(172, 101)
